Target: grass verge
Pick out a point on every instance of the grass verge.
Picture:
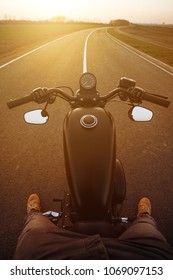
(161, 53)
(20, 37)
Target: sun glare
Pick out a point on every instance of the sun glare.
(73, 9)
(58, 7)
(46, 9)
(156, 11)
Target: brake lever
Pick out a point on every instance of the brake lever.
(157, 95)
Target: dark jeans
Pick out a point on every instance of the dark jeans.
(41, 239)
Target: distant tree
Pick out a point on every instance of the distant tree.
(59, 19)
(119, 22)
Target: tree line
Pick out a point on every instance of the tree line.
(62, 19)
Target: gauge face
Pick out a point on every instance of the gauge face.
(87, 81)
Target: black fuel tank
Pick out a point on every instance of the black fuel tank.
(89, 144)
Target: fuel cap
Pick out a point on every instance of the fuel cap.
(88, 121)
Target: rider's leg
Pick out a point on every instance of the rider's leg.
(41, 239)
(144, 226)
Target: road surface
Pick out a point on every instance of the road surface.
(31, 157)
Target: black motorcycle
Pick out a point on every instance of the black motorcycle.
(96, 177)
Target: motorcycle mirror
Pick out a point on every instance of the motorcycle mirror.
(140, 114)
(36, 117)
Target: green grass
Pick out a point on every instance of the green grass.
(159, 52)
(20, 37)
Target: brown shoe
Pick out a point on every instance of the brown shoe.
(144, 206)
(33, 203)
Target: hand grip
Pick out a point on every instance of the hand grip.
(155, 99)
(17, 102)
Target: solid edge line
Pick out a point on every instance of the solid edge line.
(141, 55)
(36, 49)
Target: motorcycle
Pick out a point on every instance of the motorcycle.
(95, 175)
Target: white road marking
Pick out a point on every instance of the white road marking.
(85, 51)
(34, 50)
(49, 43)
(129, 48)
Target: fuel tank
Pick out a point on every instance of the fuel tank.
(89, 146)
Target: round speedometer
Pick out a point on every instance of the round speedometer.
(88, 81)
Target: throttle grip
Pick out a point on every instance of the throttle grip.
(155, 99)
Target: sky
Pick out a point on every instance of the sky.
(136, 11)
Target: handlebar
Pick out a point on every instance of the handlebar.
(155, 99)
(17, 102)
(31, 97)
(135, 95)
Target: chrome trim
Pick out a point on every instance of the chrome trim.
(84, 123)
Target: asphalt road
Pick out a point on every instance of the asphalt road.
(31, 158)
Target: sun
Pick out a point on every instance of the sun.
(47, 9)
(57, 7)
(67, 8)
